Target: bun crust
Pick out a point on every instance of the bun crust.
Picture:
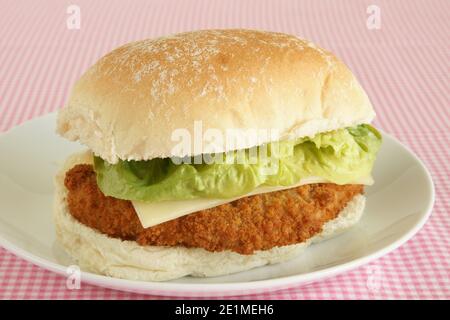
(127, 105)
(98, 253)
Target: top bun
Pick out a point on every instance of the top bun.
(127, 105)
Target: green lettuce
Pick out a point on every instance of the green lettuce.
(340, 156)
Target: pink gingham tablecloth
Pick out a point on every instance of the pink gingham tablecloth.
(403, 65)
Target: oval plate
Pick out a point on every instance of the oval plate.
(398, 204)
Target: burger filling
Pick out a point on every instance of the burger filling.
(101, 195)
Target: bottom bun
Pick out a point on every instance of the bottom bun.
(99, 253)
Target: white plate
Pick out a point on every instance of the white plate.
(397, 207)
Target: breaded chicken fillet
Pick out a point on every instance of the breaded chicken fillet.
(258, 222)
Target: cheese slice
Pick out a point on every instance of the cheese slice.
(153, 213)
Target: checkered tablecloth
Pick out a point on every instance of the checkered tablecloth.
(401, 59)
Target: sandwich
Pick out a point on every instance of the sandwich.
(209, 153)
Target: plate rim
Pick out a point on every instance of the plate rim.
(234, 288)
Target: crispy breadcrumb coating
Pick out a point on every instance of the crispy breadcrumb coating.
(258, 222)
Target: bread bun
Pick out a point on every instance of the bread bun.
(128, 104)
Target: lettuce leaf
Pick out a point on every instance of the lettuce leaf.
(340, 156)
